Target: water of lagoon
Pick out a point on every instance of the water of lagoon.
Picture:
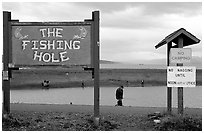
(133, 96)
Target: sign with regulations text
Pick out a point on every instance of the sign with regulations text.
(181, 76)
(51, 45)
(180, 55)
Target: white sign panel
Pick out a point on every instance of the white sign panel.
(181, 76)
(180, 55)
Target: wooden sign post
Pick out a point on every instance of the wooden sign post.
(180, 89)
(182, 38)
(169, 89)
(95, 63)
(96, 67)
(6, 54)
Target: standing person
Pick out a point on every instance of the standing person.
(142, 83)
(82, 84)
(119, 96)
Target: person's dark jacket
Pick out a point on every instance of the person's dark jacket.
(119, 93)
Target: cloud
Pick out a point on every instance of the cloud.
(45, 11)
(128, 43)
(128, 30)
(113, 14)
(11, 6)
(150, 8)
(181, 8)
(105, 7)
(129, 18)
(142, 14)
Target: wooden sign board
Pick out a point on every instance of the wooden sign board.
(180, 55)
(181, 76)
(51, 44)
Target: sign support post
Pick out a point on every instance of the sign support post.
(169, 89)
(96, 45)
(6, 77)
(95, 64)
(180, 89)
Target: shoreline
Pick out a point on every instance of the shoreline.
(103, 83)
(103, 109)
(65, 78)
(38, 87)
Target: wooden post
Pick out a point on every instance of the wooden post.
(169, 89)
(96, 66)
(5, 79)
(180, 89)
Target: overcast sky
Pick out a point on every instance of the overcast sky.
(128, 31)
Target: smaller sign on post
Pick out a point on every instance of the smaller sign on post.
(181, 76)
(180, 55)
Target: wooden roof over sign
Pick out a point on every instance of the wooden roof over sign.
(188, 38)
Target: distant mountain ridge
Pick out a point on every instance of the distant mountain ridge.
(107, 62)
(196, 61)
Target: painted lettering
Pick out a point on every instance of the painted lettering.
(24, 43)
(34, 44)
(49, 44)
(59, 44)
(171, 70)
(43, 32)
(50, 57)
(63, 57)
(51, 32)
(52, 47)
(43, 44)
(36, 56)
(53, 58)
(76, 44)
(185, 70)
(58, 33)
(46, 59)
(180, 75)
(180, 53)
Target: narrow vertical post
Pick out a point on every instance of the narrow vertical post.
(96, 66)
(169, 89)
(5, 79)
(180, 89)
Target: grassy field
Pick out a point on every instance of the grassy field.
(66, 77)
(52, 117)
